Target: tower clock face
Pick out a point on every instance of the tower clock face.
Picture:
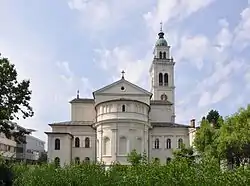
(164, 97)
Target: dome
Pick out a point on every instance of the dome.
(161, 42)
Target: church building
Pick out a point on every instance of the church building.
(122, 117)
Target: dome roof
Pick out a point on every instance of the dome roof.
(161, 42)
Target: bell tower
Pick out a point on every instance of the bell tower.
(162, 73)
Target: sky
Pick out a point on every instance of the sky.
(66, 45)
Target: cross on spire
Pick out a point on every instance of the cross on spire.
(77, 94)
(161, 26)
(123, 74)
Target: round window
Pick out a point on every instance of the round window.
(122, 88)
(164, 97)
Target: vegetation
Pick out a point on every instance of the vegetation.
(14, 99)
(176, 172)
(227, 139)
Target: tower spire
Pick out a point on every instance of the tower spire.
(161, 33)
(161, 26)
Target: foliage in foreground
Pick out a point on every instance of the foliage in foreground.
(179, 173)
(14, 100)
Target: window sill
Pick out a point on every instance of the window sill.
(106, 156)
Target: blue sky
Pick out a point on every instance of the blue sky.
(65, 45)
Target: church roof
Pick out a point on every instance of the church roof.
(161, 42)
(82, 100)
(168, 124)
(63, 133)
(160, 102)
(122, 80)
(74, 123)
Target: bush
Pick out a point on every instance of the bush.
(177, 172)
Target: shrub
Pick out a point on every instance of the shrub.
(177, 172)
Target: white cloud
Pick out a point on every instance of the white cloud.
(224, 90)
(193, 49)
(122, 58)
(224, 37)
(242, 36)
(167, 10)
(205, 99)
(100, 15)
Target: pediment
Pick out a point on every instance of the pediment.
(122, 87)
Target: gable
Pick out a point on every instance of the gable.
(122, 87)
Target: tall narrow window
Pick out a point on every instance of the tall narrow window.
(57, 162)
(160, 55)
(57, 144)
(180, 143)
(160, 79)
(77, 142)
(87, 142)
(164, 55)
(107, 146)
(123, 146)
(165, 79)
(168, 160)
(157, 143)
(123, 108)
(168, 143)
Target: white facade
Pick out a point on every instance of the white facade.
(122, 117)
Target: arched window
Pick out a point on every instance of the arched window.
(87, 142)
(168, 143)
(157, 160)
(77, 142)
(168, 160)
(164, 55)
(160, 79)
(77, 160)
(107, 146)
(87, 159)
(123, 108)
(180, 143)
(157, 143)
(123, 145)
(57, 162)
(160, 55)
(57, 144)
(138, 144)
(165, 79)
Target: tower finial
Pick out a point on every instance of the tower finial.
(161, 26)
(123, 74)
(78, 94)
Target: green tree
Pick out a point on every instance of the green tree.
(215, 118)
(205, 137)
(136, 158)
(14, 99)
(234, 139)
(185, 153)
